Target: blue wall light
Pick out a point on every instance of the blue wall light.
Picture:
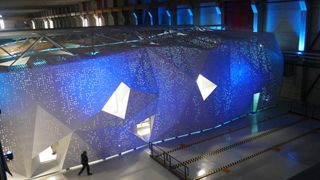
(135, 17)
(255, 17)
(190, 16)
(302, 35)
(151, 18)
(168, 18)
(218, 11)
(255, 102)
(210, 14)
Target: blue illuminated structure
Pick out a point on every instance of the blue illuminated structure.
(64, 102)
(303, 24)
(255, 17)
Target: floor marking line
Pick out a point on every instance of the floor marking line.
(247, 140)
(222, 134)
(214, 171)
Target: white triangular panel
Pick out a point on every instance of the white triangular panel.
(144, 128)
(48, 130)
(118, 102)
(206, 87)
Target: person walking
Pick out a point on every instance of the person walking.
(85, 163)
(3, 166)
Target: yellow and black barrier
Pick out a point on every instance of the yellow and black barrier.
(222, 134)
(216, 170)
(220, 150)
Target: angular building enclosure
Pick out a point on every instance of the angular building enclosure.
(151, 87)
(160, 89)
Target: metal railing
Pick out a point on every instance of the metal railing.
(169, 162)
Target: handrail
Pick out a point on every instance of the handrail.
(168, 158)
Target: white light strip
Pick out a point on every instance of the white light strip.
(2, 24)
(33, 24)
(84, 21)
(50, 24)
(45, 24)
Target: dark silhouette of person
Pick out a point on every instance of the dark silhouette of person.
(85, 163)
(3, 165)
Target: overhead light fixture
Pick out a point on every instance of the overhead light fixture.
(50, 23)
(98, 20)
(1, 23)
(46, 26)
(84, 21)
(33, 24)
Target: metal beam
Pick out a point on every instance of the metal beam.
(57, 44)
(141, 6)
(6, 51)
(27, 50)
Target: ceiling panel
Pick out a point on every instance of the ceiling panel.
(21, 7)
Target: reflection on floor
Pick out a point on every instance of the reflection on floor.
(233, 151)
(264, 130)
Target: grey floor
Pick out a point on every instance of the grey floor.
(134, 166)
(281, 163)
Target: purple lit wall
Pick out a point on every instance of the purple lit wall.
(63, 104)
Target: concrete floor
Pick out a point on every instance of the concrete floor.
(280, 163)
(134, 166)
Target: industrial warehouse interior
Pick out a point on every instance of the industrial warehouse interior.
(160, 89)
